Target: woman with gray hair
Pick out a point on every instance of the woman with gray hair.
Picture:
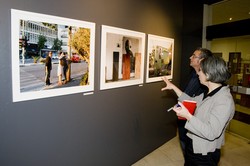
(213, 113)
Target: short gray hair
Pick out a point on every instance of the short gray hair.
(215, 69)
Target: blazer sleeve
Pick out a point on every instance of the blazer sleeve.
(220, 112)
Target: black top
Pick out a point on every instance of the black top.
(212, 93)
(48, 62)
(194, 87)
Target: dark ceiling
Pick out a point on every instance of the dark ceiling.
(210, 2)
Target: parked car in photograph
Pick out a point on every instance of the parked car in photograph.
(55, 56)
(75, 58)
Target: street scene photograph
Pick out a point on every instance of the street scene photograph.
(53, 55)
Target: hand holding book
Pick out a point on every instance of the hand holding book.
(185, 110)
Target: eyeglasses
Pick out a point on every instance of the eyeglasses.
(194, 56)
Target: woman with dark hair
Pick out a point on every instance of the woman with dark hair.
(213, 113)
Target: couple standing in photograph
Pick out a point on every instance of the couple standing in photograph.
(61, 70)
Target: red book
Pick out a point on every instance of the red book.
(190, 105)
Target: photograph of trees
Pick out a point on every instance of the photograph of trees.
(160, 58)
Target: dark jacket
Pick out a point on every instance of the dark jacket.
(48, 63)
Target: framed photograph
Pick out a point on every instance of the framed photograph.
(51, 56)
(122, 57)
(160, 58)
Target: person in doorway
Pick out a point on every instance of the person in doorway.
(215, 108)
(130, 53)
(193, 88)
(48, 68)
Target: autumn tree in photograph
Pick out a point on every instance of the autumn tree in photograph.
(80, 42)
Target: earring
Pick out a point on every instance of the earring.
(207, 76)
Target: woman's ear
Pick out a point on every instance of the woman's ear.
(207, 76)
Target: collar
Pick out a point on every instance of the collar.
(212, 93)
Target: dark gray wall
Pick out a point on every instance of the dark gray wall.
(109, 128)
(191, 35)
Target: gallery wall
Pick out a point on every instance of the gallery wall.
(108, 127)
(191, 36)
